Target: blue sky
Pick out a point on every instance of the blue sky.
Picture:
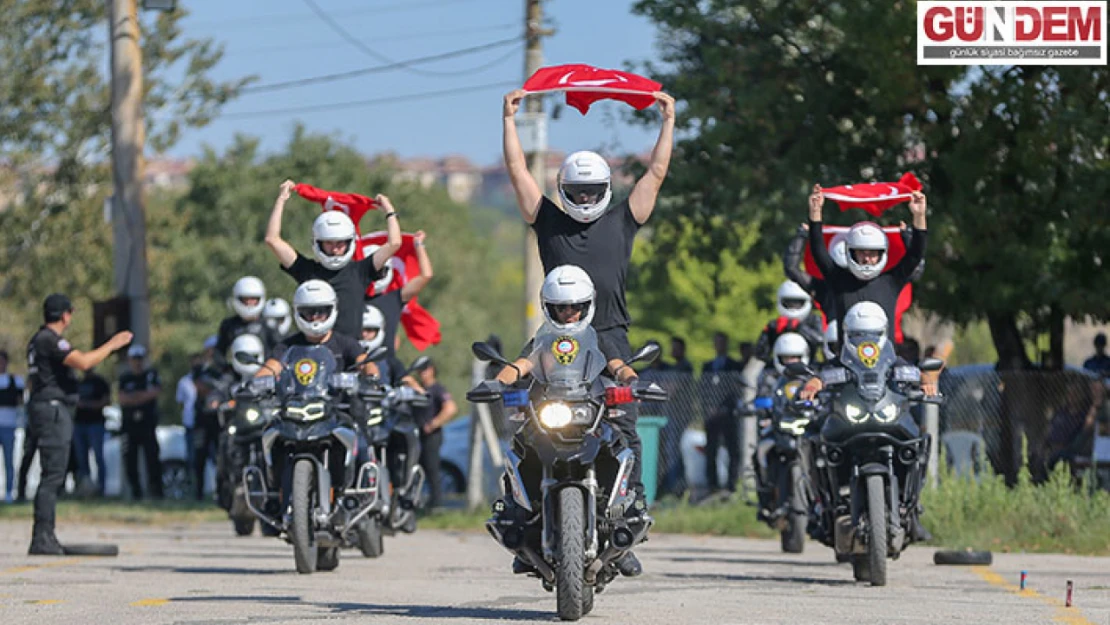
(283, 40)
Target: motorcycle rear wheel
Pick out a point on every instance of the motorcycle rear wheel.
(794, 536)
(243, 527)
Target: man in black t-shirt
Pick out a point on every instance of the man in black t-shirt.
(333, 247)
(315, 311)
(54, 394)
(441, 410)
(139, 388)
(94, 394)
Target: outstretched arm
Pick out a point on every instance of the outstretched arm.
(792, 260)
(413, 287)
(392, 231)
(816, 237)
(915, 253)
(87, 360)
(528, 193)
(285, 253)
(646, 191)
(508, 375)
(622, 371)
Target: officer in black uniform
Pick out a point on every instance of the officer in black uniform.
(50, 363)
(139, 388)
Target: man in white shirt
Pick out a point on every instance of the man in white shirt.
(11, 397)
(187, 396)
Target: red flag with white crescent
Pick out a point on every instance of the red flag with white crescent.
(420, 326)
(585, 84)
(874, 197)
(353, 204)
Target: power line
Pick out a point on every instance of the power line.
(361, 103)
(331, 43)
(288, 84)
(294, 18)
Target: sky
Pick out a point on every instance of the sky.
(281, 40)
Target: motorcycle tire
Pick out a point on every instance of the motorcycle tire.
(302, 533)
(243, 527)
(794, 536)
(90, 549)
(877, 528)
(570, 569)
(963, 557)
(370, 538)
(269, 530)
(860, 572)
(327, 558)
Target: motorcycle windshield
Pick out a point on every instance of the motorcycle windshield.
(871, 365)
(305, 371)
(565, 362)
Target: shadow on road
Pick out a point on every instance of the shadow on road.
(401, 610)
(206, 570)
(785, 561)
(786, 579)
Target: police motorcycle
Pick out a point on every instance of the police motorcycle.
(389, 425)
(869, 454)
(567, 472)
(313, 486)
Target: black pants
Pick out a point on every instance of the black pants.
(140, 438)
(722, 429)
(429, 459)
(206, 439)
(50, 430)
(614, 344)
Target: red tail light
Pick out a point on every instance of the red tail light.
(618, 395)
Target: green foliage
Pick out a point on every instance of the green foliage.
(972, 344)
(675, 291)
(113, 512)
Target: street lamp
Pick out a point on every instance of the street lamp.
(160, 5)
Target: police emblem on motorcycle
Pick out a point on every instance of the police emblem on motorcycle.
(305, 370)
(868, 354)
(565, 349)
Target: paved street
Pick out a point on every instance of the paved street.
(203, 574)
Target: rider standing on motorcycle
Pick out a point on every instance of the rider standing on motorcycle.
(333, 247)
(866, 245)
(795, 308)
(592, 233)
(391, 303)
(567, 299)
(248, 299)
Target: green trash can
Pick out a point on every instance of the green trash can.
(648, 427)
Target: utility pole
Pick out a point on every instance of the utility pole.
(537, 160)
(128, 138)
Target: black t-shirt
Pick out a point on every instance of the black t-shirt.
(234, 327)
(602, 248)
(92, 388)
(131, 382)
(49, 378)
(439, 396)
(345, 349)
(350, 284)
(391, 305)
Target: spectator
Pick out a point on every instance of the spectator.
(678, 352)
(909, 350)
(186, 396)
(94, 394)
(1071, 426)
(722, 362)
(442, 409)
(11, 397)
(1100, 362)
(139, 388)
(747, 352)
(722, 425)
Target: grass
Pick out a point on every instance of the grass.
(117, 512)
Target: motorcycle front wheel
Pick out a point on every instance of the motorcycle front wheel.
(303, 533)
(570, 569)
(877, 528)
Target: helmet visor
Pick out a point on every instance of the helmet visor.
(315, 313)
(791, 303)
(564, 313)
(585, 192)
(337, 247)
(858, 337)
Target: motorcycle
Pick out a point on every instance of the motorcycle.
(393, 439)
(313, 489)
(869, 457)
(240, 446)
(784, 483)
(567, 472)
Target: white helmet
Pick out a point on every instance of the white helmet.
(372, 318)
(866, 322)
(793, 301)
(568, 284)
(837, 249)
(252, 345)
(333, 226)
(382, 283)
(311, 297)
(789, 344)
(866, 235)
(830, 341)
(278, 315)
(248, 287)
(585, 172)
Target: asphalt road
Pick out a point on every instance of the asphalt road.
(202, 574)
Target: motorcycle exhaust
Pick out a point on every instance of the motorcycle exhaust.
(622, 538)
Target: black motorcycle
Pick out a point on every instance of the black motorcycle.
(568, 511)
(784, 484)
(240, 446)
(869, 457)
(315, 488)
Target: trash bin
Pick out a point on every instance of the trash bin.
(648, 427)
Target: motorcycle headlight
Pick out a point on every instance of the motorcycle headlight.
(308, 412)
(854, 414)
(887, 414)
(796, 427)
(252, 415)
(555, 415)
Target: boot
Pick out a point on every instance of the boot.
(629, 565)
(45, 543)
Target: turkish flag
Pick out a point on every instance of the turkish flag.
(420, 326)
(874, 197)
(896, 250)
(586, 84)
(353, 204)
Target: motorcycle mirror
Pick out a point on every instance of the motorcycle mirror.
(487, 353)
(420, 363)
(798, 369)
(247, 358)
(931, 364)
(377, 353)
(648, 353)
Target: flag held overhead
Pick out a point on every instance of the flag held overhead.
(585, 84)
(874, 197)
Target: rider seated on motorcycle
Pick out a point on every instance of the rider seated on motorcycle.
(567, 299)
(248, 300)
(795, 308)
(215, 391)
(789, 348)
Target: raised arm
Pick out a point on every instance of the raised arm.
(792, 260)
(392, 232)
(915, 253)
(528, 193)
(413, 287)
(87, 360)
(646, 191)
(816, 237)
(285, 253)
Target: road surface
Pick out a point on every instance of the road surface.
(203, 574)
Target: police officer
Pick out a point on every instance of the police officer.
(50, 363)
(139, 388)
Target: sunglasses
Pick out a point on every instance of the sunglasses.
(582, 307)
(593, 190)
